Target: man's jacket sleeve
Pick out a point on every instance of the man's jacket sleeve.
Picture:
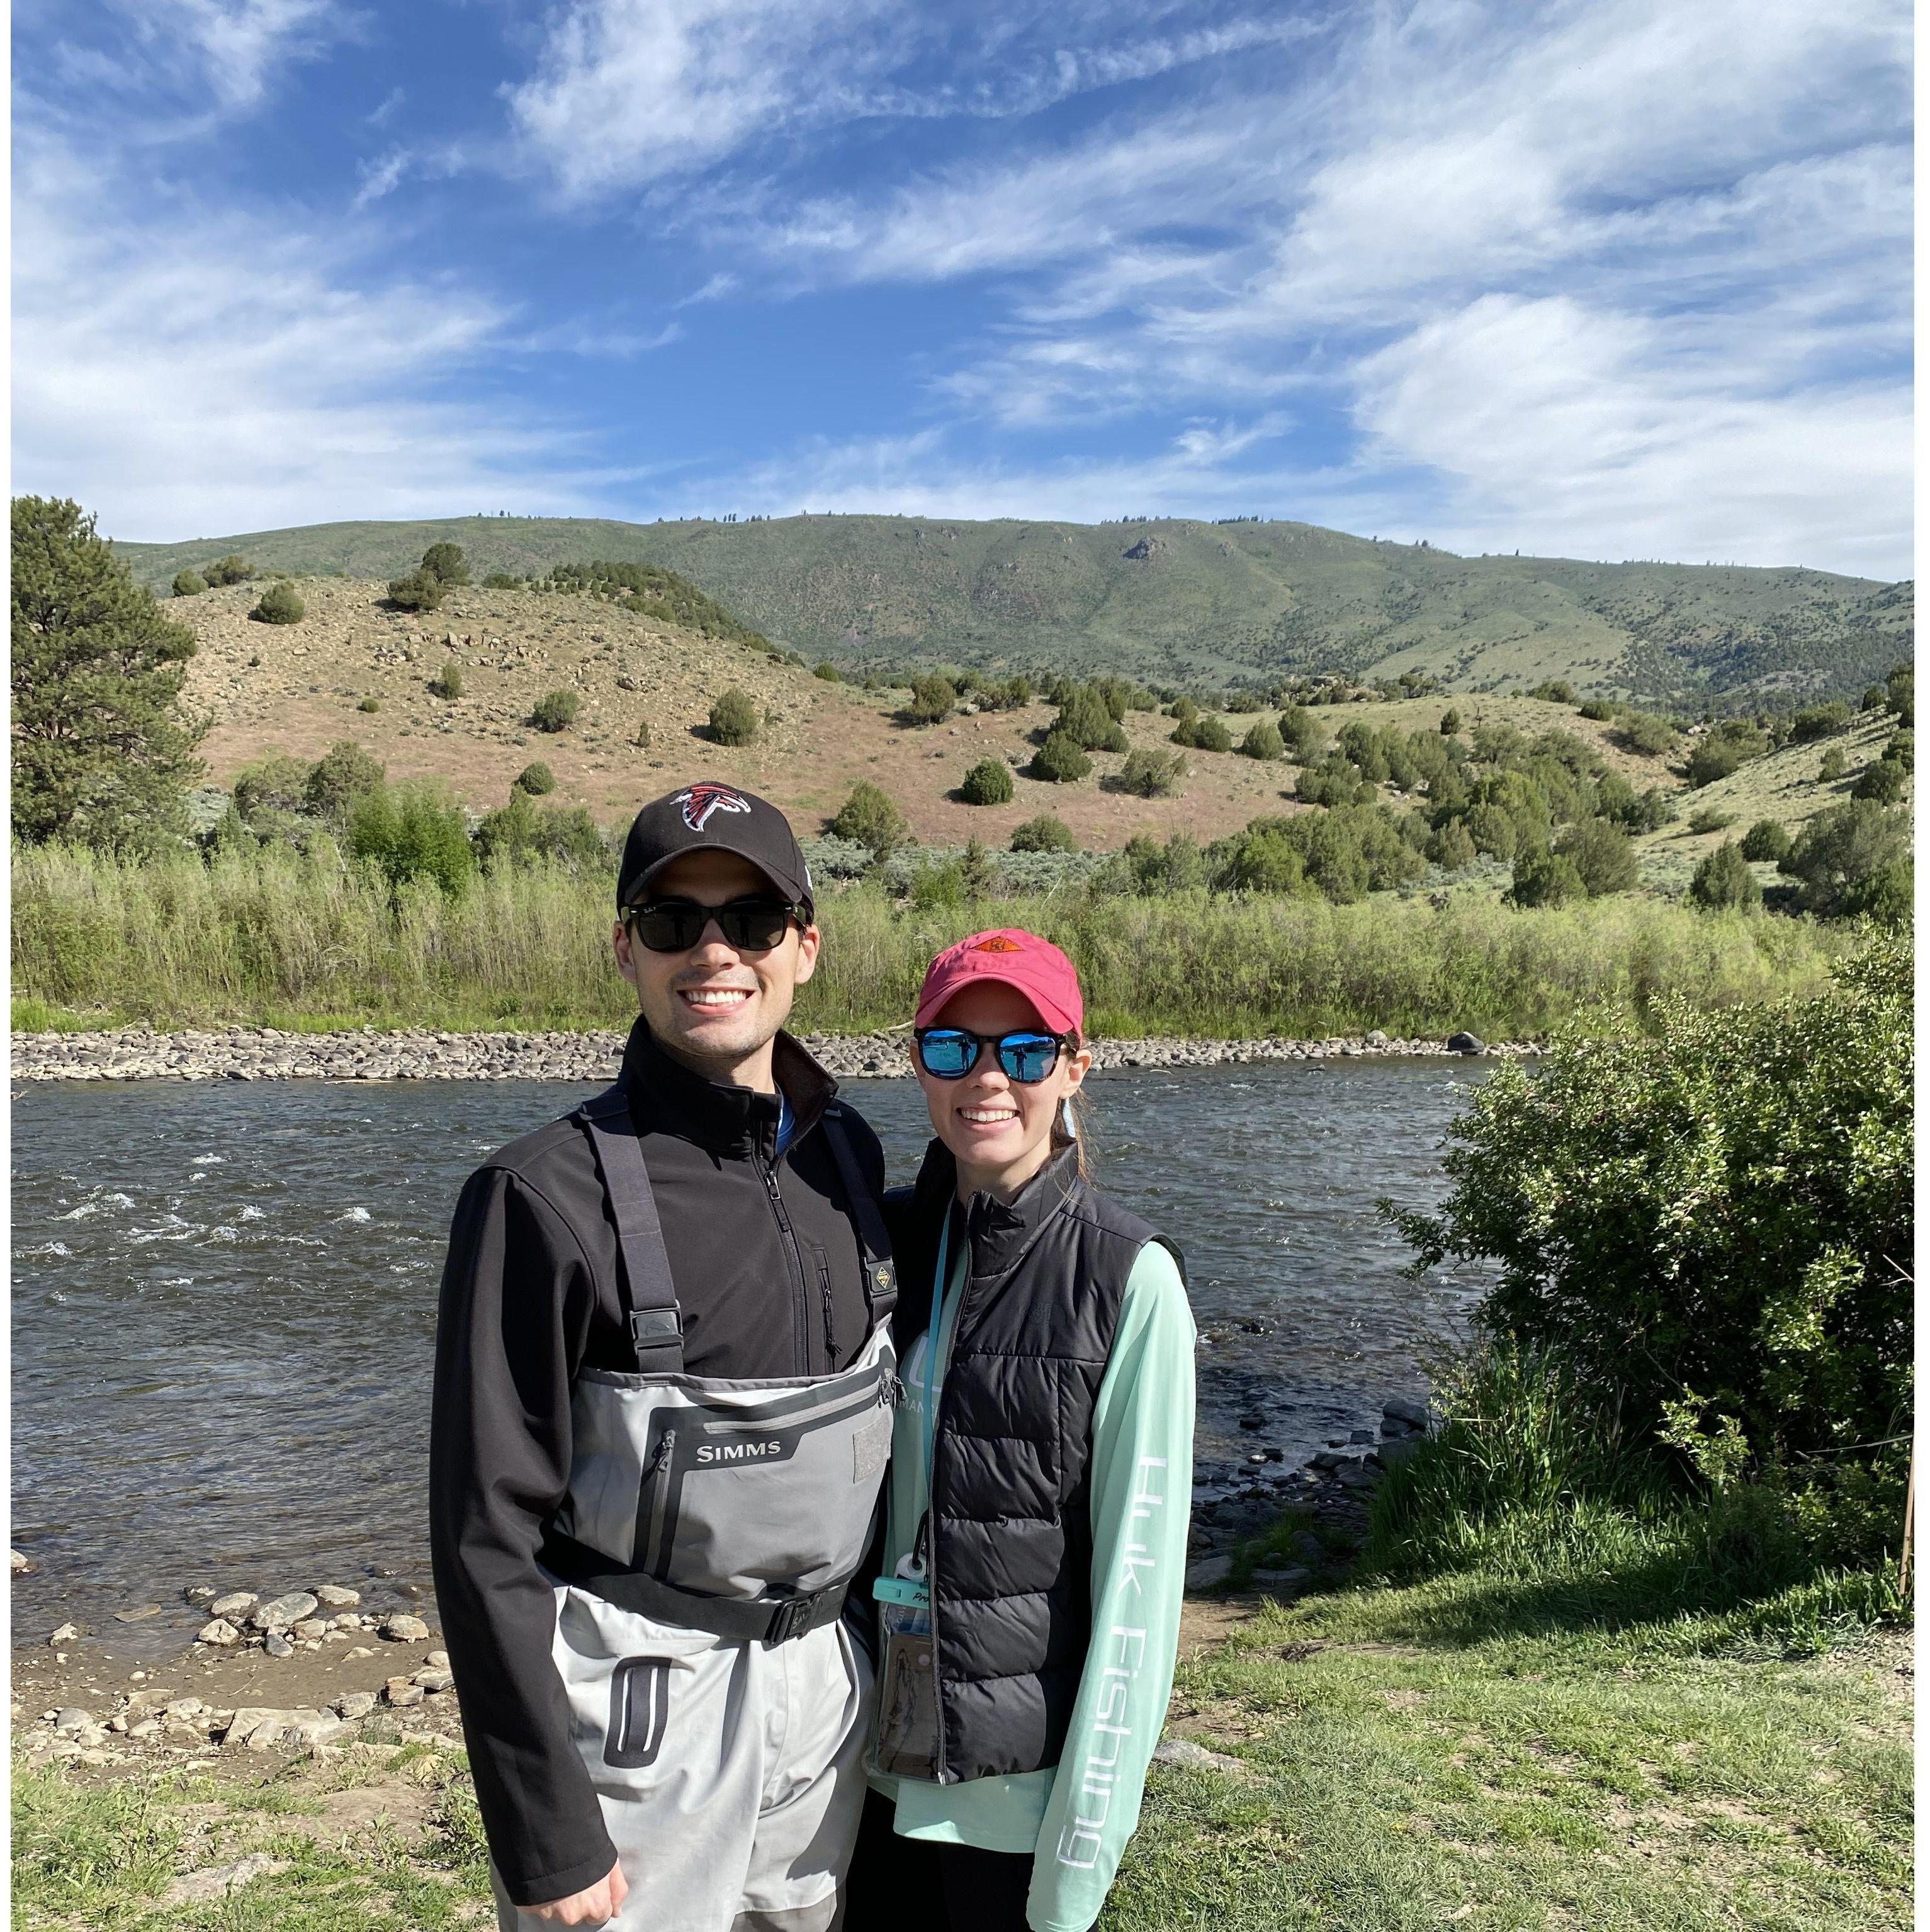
(517, 1297)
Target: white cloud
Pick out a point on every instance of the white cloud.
(272, 380)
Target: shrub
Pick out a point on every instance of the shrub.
(279, 604)
(1209, 734)
(1832, 766)
(733, 718)
(555, 711)
(537, 780)
(413, 831)
(869, 818)
(370, 704)
(1818, 721)
(420, 590)
(1723, 882)
(271, 784)
(1900, 695)
(522, 832)
(1044, 833)
(1602, 856)
(1262, 741)
(1451, 847)
(1706, 1220)
(1884, 780)
(1767, 839)
(340, 779)
(1852, 859)
(640, 737)
(828, 671)
(1901, 750)
(1151, 774)
(1546, 878)
(501, 579)
(1181, 734)
(1713, 758)
(1598, 708)
(444, 561)
(1087, 719)
(1059, 760)
(447, 682)
(1302, 735)
(1710, 818)
(1555, 691)
(1183, 709)
(988, 782)
(189, 583)
(1875, 697)
(1450, 722)
(228, 570)
(932, 698)
(1644, 733)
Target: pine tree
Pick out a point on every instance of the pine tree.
(101, 750)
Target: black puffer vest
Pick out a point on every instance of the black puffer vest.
(1011, 1553)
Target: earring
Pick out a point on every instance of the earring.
(1066, 1119)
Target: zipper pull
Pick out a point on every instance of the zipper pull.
(666, 1442)
(890, 1392)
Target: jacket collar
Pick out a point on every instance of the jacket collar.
(667, 1097)
(999, 1232)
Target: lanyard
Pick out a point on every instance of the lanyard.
(931, 1415)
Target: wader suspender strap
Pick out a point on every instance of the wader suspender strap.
(880, 1273)
(656, 1323)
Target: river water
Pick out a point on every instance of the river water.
(223, 1311)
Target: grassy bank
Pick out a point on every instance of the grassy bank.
(280, 939)
(1451, 1753)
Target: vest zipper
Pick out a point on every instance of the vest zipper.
(830, 1328)
(660, 1460)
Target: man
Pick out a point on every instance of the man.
(662, 1406)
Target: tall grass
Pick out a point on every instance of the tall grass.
(280, 938)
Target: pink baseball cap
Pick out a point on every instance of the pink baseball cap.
(1022, 961)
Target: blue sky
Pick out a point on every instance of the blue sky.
(1612, 278)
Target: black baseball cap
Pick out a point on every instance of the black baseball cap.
(709, 817)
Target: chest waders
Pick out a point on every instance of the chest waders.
(700, 1557)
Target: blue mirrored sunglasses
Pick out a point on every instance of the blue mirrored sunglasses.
(949, 1053)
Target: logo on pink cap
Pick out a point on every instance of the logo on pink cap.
(1008, 957)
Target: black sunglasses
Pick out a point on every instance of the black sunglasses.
(748, 926)
(949, 1053)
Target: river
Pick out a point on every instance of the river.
(223, 1310)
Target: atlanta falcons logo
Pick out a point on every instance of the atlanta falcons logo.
(700, 801)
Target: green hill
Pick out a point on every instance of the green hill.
(1182, 602)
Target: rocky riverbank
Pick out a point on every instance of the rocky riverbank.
(263, 1053)
(315, 1666)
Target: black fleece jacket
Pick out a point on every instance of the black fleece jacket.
(769, 1272)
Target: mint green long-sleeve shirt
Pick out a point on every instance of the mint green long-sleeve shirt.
(1075, 1817)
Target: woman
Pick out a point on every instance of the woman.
(1042, 1474)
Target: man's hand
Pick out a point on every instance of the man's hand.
(596, 1905)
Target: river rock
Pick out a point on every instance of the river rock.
(437, 1660)
(1465, 1043)
(201, 1888)
(1254, 1419)
(1183, 1754)
(1208, 1573)
(354, 1704)
(310, 1630)
(403, 1628)
(1355, 1476)
(1307, 1547)
(17, 1564)
(282, 1611)
(276, 1645)
(434, 1680)
(338, 1596)
(221, 1634)
(1399, 1450)
(67, 1633)
(147, 1727)
(138, 1616)
(198, 1594)
(401, 1693)
(264, 1730)
(235, 1604)
(73, 1719)
(184, 1709)
(1291, 1578)
(1407, 1409)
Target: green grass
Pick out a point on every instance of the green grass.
(278, 939)
(1244, 601)
(1395, 1780)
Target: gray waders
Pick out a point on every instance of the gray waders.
(700, 1559)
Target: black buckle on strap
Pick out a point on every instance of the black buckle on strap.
(792, 1618)
(656, 1328)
